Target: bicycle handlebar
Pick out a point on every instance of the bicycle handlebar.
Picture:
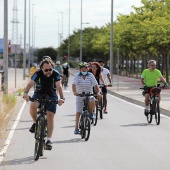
(105, 85)
(86, 94)
(43, 100)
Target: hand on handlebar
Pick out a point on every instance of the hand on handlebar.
(26, 97)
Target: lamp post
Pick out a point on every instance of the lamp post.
(111, 42)
(29, 56)
(32, 58)
(61, 26)
(24, 59)
(5, 53)
(81, 42)
(69, 33)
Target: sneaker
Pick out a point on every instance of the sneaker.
(91, 116)
(48, 145)
(105, 111)
(146, 112)
(76, 131)
(32, 129)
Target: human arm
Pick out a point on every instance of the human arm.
(142, 81)
(60, 91)
(74, 89)
(101, 78)
(27, 89)
(109, 78)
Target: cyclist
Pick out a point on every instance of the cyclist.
(59, 68)
(47, 80)
(106, 74)
(96, 71)
(33, 69)
(149, 78)
(66, 72)
(84, 82)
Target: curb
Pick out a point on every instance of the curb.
(163, 111)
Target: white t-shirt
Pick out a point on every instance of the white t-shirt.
(104, 72)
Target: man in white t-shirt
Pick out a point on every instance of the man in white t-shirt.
(106, 74)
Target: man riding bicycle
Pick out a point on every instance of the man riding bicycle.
(149, 79)
(66, 72)
(84, 82)
(106, 74)
(47, 80)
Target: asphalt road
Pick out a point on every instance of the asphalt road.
(123, 140)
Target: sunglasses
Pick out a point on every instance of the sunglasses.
(93, 67)
(153, 65)
(46, 70)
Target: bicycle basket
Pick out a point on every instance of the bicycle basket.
(154, 90)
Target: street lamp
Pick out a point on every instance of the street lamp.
(111, 42)
(24, 59)
(32, 58)
(81, 43)
(5, 52)
(69, 33)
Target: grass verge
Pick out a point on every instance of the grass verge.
(8, 101)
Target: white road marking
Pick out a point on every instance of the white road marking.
(162, 115)
(9, 138)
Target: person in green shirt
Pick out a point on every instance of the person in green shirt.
(149, 78)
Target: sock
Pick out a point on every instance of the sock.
(146, 107)
(48, 138)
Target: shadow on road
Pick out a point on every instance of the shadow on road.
(137, 124)
(68, 126)
(27, 160)
(75, 140)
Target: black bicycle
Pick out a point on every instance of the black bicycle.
(65, 82)
(84, 121)
(41, 127)
(154, 108)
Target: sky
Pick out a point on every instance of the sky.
(51, 18)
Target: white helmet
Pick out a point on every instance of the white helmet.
(58, 62)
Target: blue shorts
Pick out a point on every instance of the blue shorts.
(52, 107)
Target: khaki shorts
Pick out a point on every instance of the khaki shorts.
(80, 103)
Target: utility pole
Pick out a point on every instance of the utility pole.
(5, 53)
(111, 42)
(24, 57)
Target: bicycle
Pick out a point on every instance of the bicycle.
(84, 121)
(154, 108)
(41, 127)
(65, 82)
(101, 102)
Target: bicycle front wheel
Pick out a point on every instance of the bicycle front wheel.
(39, 138)
(157, 113)
(101, 107)
(149, 116)
(86, 129)
(95, 114)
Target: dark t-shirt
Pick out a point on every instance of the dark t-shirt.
(65, 69)
(46, 85)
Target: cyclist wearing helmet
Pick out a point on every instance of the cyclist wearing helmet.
(84, 81)
(59, 68)
(33, 69)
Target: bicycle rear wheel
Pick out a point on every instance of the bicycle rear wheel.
(149, 116)
(101, 107)
(157, 113)
(87, 129)
(39, 138)
(95, 114)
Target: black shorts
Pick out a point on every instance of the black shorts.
(104, 90)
